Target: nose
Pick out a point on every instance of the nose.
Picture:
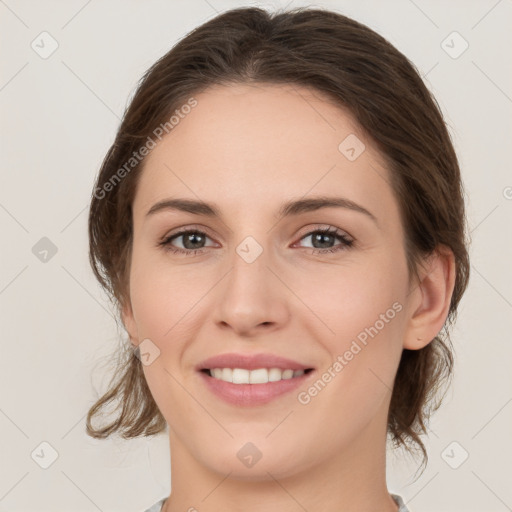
(251, 298)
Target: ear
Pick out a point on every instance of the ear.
(129, 323)
(430, 299)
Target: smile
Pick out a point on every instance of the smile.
(257, 376)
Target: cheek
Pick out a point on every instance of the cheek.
(161, 294)
(163, 299)
(361, 312)
(349, 298)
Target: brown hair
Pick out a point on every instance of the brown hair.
(360, 71)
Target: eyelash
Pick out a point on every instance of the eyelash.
(347, 243)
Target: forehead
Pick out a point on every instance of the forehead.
(249, 143)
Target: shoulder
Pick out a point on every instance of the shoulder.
(157, 507)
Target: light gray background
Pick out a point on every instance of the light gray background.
(58, 118)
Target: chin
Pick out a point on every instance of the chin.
(244, 461)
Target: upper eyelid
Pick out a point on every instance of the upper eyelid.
(184, 230)
(307, 231)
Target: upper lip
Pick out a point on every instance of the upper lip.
(250, 362)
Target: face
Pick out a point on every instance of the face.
(251, 281)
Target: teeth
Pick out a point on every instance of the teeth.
(259, 376)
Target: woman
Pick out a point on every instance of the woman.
(280, 222)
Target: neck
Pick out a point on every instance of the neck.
(353, 479)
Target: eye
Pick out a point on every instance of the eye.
(322, 239)
(193, 240)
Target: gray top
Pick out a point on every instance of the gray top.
(398, 499)
(157, 507)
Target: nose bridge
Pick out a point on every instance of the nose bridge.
(251, 295)
(249, 275)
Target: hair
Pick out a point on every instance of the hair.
(361, 72)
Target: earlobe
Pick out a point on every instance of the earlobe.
(129, 323)
(435, 292)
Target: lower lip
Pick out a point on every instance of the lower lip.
(252, 394)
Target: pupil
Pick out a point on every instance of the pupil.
(195, 238)
(319, 237)
(190, 237)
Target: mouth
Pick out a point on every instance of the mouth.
(252, 379)
(257, 376)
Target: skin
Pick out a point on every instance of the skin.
(248, 149)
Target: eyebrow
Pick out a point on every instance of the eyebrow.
(290, 208)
